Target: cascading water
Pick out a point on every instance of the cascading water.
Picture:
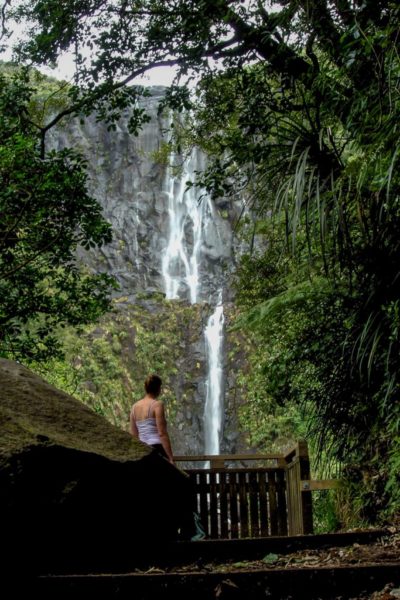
(189, 219)
(213, 409)
(187, 216)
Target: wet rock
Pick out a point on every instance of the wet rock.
(134, 187)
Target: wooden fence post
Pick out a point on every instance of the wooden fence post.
(299, 501)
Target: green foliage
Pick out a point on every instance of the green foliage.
(106, 364)
(326, 511)
(299, 111)
(267, 424)
(45, 213)
(320, 162)
(304, 340)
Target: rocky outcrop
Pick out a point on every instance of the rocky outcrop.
(131, 179)
(74, 488)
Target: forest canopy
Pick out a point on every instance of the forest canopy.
(46, 213)
(297, 105)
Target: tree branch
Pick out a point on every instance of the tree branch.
(4, 30)
(32, 258)
(103, 91)
(320, 19)
(310, 52)
(282, 58)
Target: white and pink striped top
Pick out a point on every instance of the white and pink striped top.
(147, 428)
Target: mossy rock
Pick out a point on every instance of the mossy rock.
(74, 487)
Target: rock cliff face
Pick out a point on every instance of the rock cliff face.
(131, 180)
(166, 240)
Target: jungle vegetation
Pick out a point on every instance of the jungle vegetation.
(46, 213)
(297, 104)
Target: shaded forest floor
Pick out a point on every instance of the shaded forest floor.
(384, 551)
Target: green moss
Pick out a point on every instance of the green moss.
(34, 412)
(106, 364)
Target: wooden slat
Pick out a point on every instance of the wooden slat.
(289, 490)
(244, 505)
(233, 507)
(273, 504)
(217, 463)
(227, 457)
(296, 508)
(319, 484)
(213, 509)
(299, 493)
(281, 495)
(306, 496)
(253, 493)
(223, 506)
(194, 481)
(263, 505)
(299, 449)
(202, 491)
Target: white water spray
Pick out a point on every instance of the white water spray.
(213, 409)
(187, 215)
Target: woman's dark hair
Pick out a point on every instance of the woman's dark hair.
(152, 385)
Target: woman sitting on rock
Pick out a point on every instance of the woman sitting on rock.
(147, 419)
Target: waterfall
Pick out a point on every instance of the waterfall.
(190, 216)
(213, 409)
(187, 214)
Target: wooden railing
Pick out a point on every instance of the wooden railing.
(248, 495)
(299, 500)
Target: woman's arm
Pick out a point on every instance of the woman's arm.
(162, 430)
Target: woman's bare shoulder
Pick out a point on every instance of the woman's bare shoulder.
(137, 404)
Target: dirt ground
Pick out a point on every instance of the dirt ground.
(384, 551)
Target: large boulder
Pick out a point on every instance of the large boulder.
(75, 491)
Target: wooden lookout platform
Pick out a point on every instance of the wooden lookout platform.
(252, 496)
